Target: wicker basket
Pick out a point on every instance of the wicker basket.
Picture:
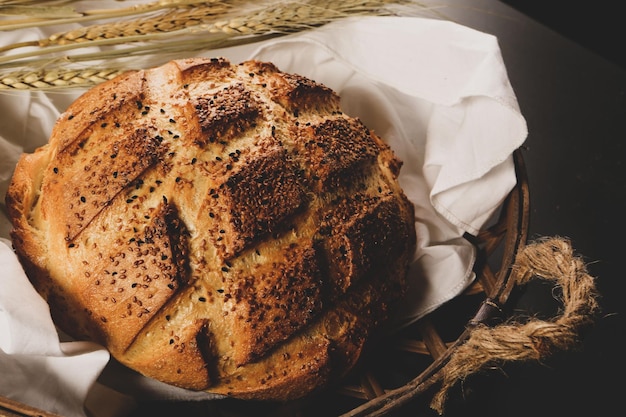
(417, 361)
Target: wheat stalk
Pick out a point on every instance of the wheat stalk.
(280, 17)
(56, 78)
(171, 21)
(55, 14)
(165, 30)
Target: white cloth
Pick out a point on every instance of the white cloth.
(36, 368)
(438, 93)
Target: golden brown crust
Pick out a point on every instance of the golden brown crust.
(218, 227)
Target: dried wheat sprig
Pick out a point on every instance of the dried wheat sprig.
(54, 15)
(39, 12)
(47, 67)
(56, 78)
(6, 6)
(283, 17)
(4, 3)
(184, 14)
(169, 21)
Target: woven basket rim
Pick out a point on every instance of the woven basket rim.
(511, 231)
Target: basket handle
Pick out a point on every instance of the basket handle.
(550, 259)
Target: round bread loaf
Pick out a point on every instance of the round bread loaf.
(217, 227)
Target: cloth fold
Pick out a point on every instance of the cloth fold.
(38, 369)
(436, 91)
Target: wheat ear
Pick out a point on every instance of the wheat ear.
(177, 32)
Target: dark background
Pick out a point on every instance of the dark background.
(597, 25)
(568, 68)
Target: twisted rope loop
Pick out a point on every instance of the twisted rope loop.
(552, 259)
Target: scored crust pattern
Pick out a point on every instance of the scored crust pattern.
(217, 227)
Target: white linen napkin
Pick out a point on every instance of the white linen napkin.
(438, 93)
(37, 369)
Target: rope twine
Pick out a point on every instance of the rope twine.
(550, 259)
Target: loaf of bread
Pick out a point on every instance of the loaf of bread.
(219, 227)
